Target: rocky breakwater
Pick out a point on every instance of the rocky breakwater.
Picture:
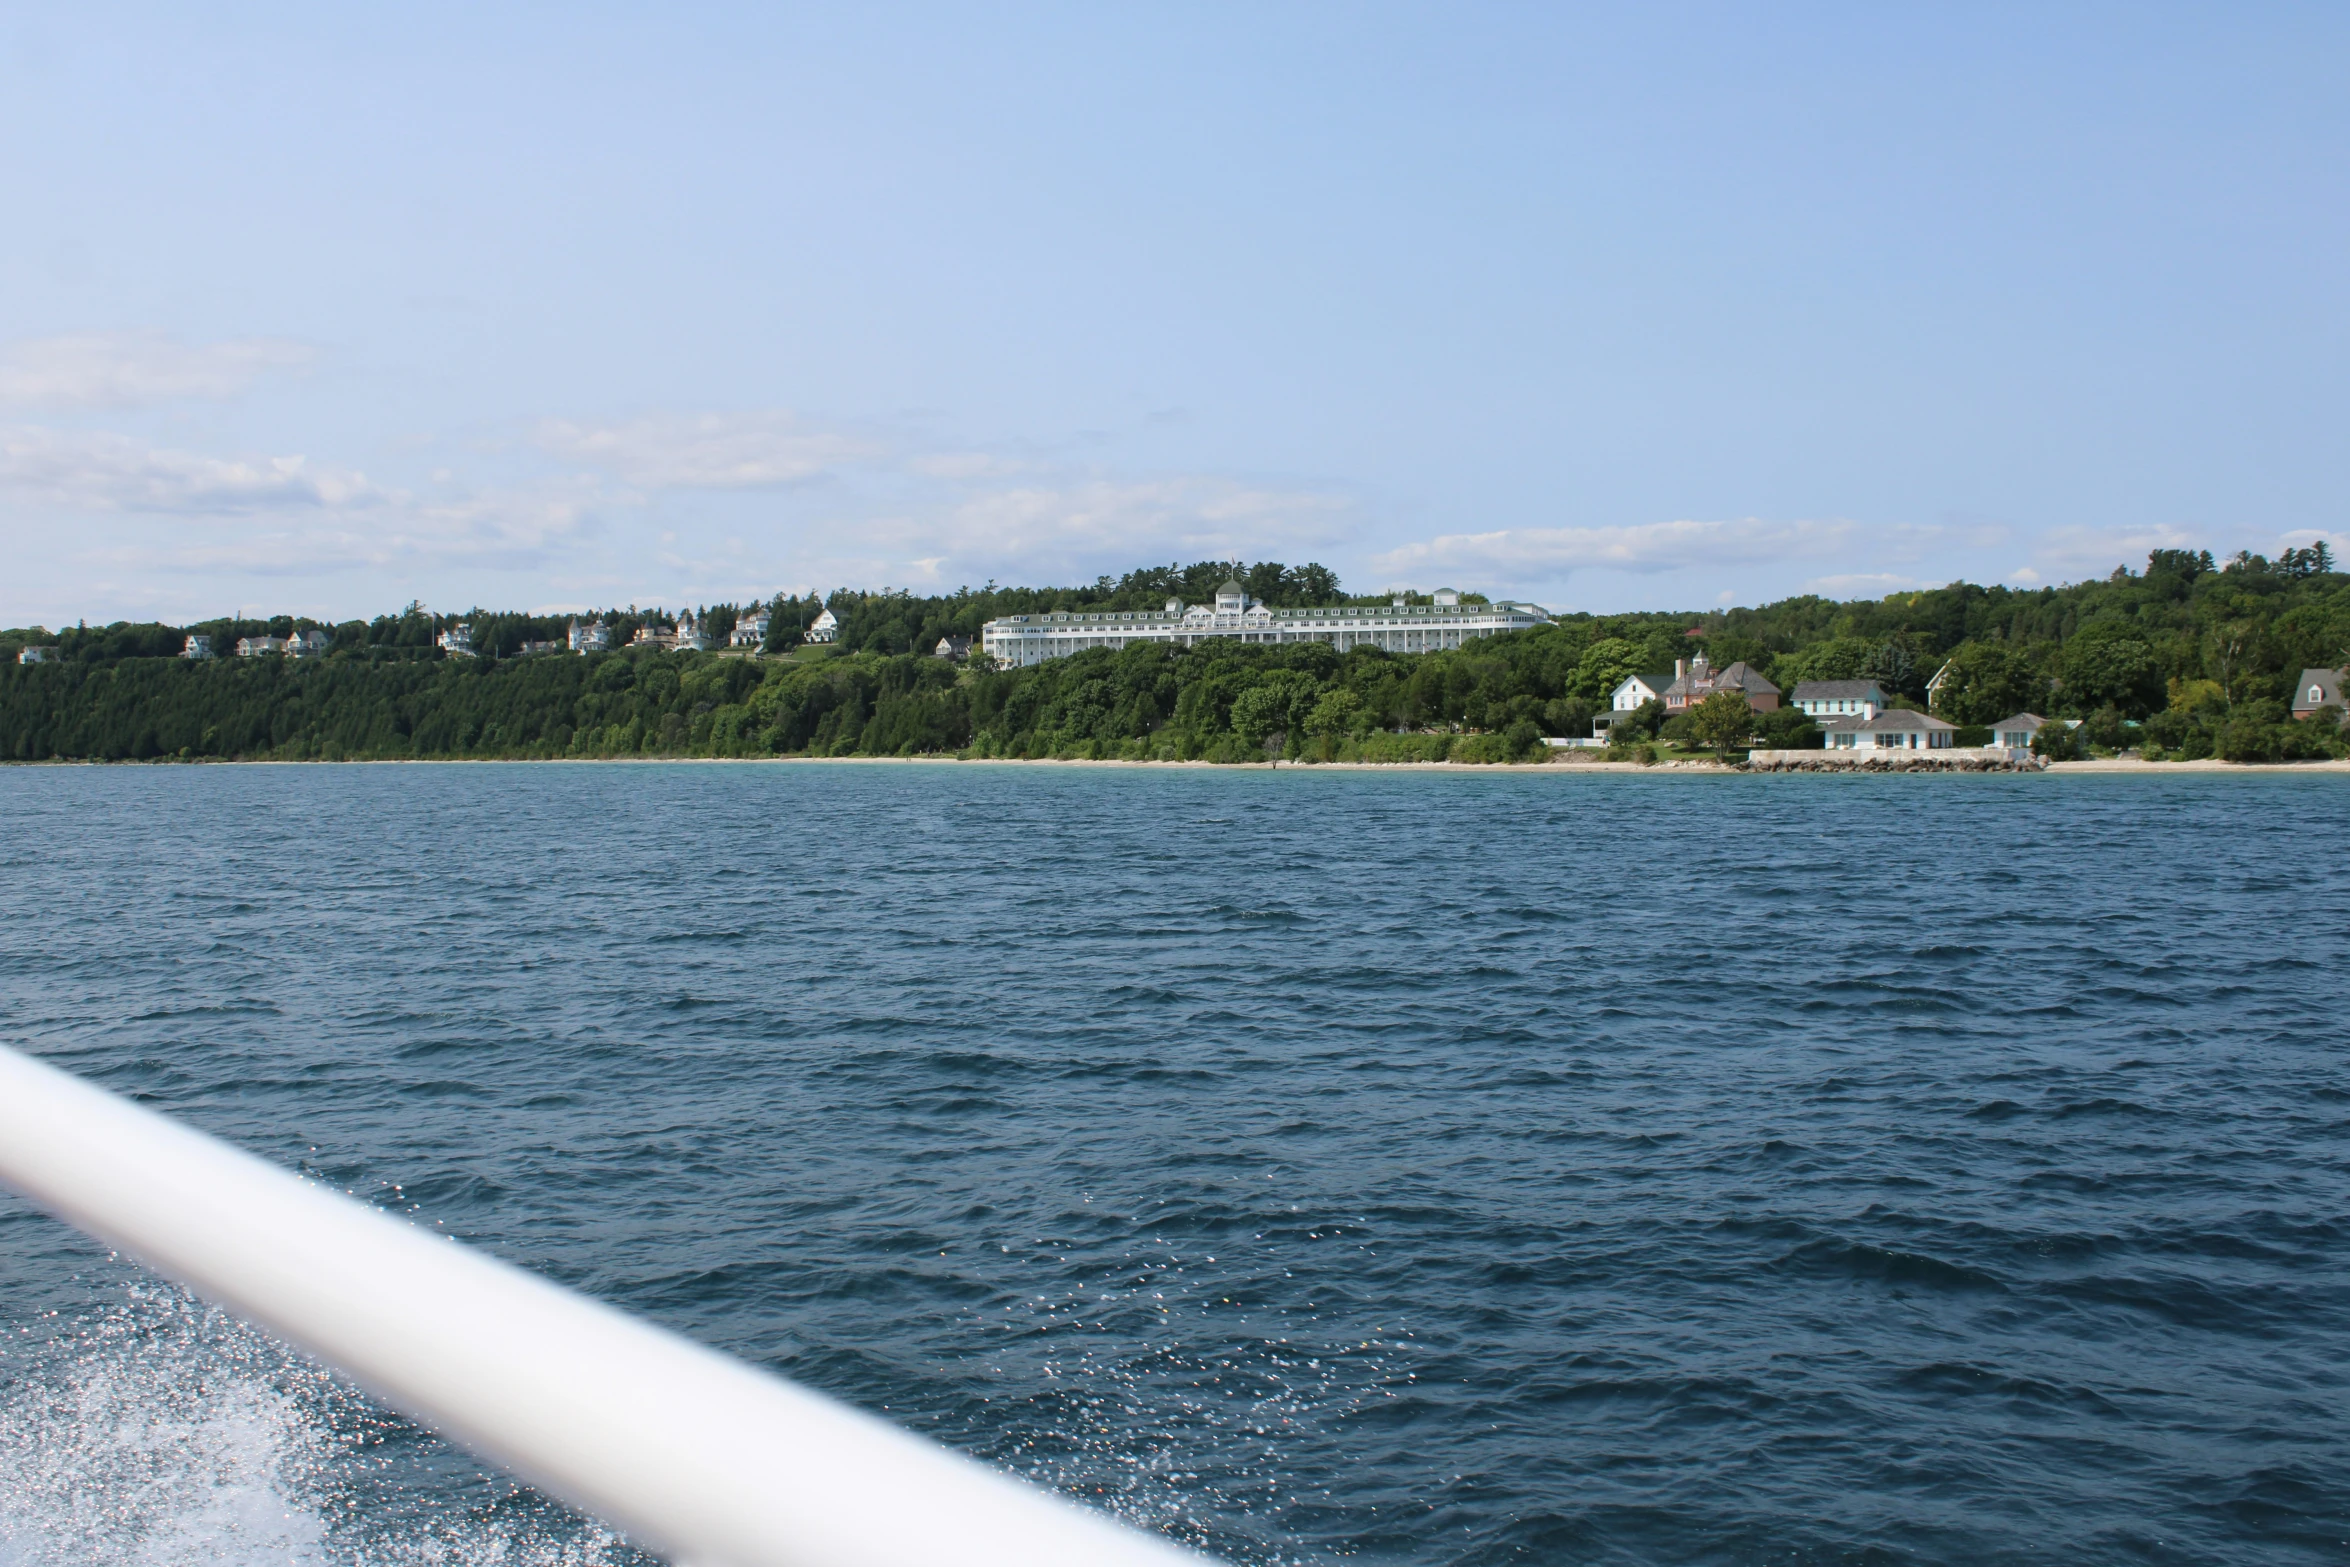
(1972, 759)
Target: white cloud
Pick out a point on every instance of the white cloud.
(129, 369)
(97, 471)
(2024, 577)
(2335, 540)
(966, 465)
(2069, 554)
(261, 516)
(1063, 532)
(1860, 584)
(705, 451)
(1100, 524)
(1540, 553)
(522, 529)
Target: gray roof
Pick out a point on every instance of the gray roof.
(1742, 676)
(1901, 718)
(1835, 690)
(1232, 585)
(2329, 690)
(2032, 721)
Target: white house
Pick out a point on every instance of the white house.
(197, 646)
(951, 647)
(32, 655)
(2017, 733)
(690, 637)
(750, 629)
(1400, 627)
(307, 644)
(457, 641)
(1826, 699)
(651, 635)
(1637, 691)
(1896, 729)
(254, 647)
(825, 628)
(590, 637)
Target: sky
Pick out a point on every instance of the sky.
(318, 310)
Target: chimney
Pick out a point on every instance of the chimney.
(1680, 669)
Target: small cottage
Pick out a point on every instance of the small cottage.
(2318, 688)
(2018, 733)
(1897, 729)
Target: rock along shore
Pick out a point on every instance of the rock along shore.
(1986, 759)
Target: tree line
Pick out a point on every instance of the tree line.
(2189, 657)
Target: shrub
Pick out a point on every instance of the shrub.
(1384, 746)
(1479, 749)
(2057, 741)
(1788, 729)
(2104, 728)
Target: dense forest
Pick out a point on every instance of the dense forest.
(2187, 658)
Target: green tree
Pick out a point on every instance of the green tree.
(1721, 720)
(1988, 681)
(2057, 741)
(1837, 658)
(1787, 729)
(1338, 712)
(1605, 665)
(1273, 705)
(2108, 666)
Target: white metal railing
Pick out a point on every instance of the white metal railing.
(698, 1455)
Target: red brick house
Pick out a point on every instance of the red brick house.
(1694, 680)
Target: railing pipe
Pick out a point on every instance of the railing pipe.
(698, 1455)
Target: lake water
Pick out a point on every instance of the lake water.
(1404, 1167)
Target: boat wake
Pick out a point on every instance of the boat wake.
(162, 1431)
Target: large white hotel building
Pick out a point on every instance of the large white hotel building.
(1398, 627)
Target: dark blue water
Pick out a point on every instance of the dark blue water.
(1510, 1167)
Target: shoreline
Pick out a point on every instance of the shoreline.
(2109, 765)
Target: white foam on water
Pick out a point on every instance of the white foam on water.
(163, 1433)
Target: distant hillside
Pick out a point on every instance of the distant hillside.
(2188, 657)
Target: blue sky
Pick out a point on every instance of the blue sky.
(1610, 307)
